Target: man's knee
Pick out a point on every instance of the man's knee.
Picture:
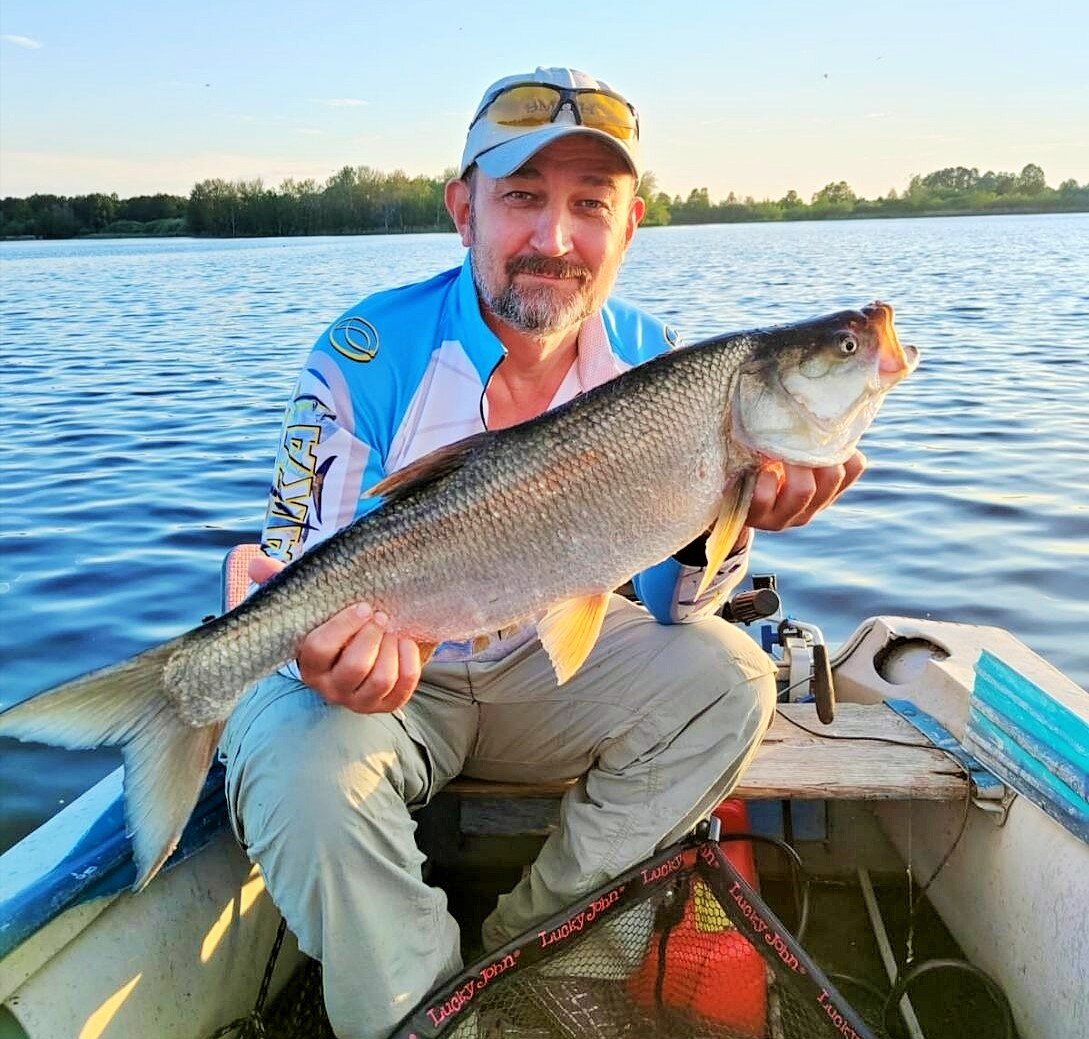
(720, 656)
(722, 684)
(304, 765)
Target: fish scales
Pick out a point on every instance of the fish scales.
(574, 504)
(536, 521)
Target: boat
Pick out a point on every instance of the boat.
(952, 752)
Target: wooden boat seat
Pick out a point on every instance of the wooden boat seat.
(822, 763)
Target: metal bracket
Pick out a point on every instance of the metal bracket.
(989, 792)
(998, 810)
(798, 657)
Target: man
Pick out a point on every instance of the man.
(326, 764)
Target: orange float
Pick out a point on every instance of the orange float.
(712, 972)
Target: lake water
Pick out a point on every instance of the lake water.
(143, 384)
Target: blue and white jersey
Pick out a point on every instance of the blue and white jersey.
(405, 372)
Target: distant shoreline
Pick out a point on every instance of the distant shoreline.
(445, 229)
(363, 200)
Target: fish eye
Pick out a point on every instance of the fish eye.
(848, 345)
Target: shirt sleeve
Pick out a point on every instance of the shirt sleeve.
(668, 589)
(323, 467)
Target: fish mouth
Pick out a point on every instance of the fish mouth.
(895, 360)
(911, 362)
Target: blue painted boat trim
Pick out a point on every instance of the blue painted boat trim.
(986, 784)
(1035, 742)
(1010, 734)
(991, 741)
(1028, 708)
(101, 864)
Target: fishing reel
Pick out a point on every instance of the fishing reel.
(798, 649)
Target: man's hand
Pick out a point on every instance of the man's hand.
(791, 495)
(351, 660)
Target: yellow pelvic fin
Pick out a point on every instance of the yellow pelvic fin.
(481, 643)
(732, 511)
(427, 651)
(568, 632)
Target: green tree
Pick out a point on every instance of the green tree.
(657, 202)
(952, 178)
(151, 207)
(838, 194)
(1031, 180)
(94, 212)
(998, 183)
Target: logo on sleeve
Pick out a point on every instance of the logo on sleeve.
(672, 336)
(355, 338)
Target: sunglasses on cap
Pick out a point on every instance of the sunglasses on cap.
(537, 104)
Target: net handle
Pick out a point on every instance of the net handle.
(444, 1006)
(749, 914)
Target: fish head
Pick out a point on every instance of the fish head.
(809, 391)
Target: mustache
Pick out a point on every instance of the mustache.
(546, 266)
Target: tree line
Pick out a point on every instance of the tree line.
(58, 216)
(362, 200)
(955, 190)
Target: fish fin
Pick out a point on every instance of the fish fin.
(731, 518)
(569, 631)
(166, 760)
(509, 630)
(165, 767)
(427, 651)
(481, 643)
(424, 471)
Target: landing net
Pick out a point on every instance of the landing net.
(681, 947)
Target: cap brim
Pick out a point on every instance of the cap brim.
(503, 159)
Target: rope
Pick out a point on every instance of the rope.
(252, 1025)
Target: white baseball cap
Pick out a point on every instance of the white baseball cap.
(500, 149)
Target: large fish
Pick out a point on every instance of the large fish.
(541, 520)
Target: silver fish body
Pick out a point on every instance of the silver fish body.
(539, 521)
(565, 506)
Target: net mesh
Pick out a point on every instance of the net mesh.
(681, 947)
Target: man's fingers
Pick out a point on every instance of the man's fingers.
(262, 567)
(408, 655)
(763, 496)
(791, 495)
(379, 679)
(321, 649)
(827, 482)
(853, 468)
(831, 482)
(777, 499)
(356, 661)
(798, 491)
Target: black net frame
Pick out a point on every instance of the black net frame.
(514, 973)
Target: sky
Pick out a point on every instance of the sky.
(755, 98)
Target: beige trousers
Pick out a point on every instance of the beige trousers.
(659, 723)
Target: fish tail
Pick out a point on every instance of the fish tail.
(166, 760)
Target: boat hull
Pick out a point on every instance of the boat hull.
(1015, 892)
(187, 954)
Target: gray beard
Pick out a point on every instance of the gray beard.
(534, 310)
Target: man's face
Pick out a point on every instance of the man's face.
(546, 243)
